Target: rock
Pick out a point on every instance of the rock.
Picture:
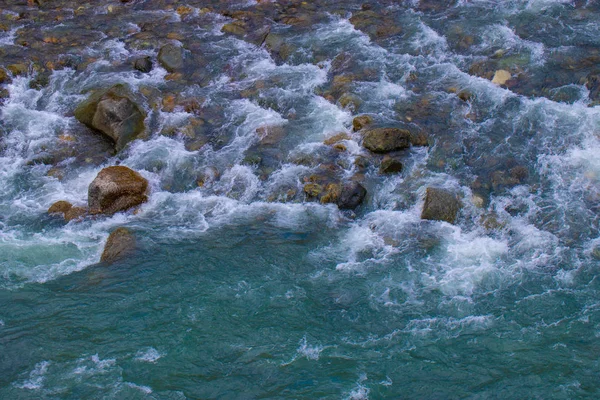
(390, 165)
(113, 113)
(18, 69)
(270, 134)
(419, 139)
(60, 207)
(67, 210)
(361, 121)
(500, 77)
(384, 140)
(171, 57)
(353, 194)
(119, 244)
(313, 189)
(592, 83)
(440, 205)
(346, 196)
(350, 101)
(143, 64)
(330, 141)
(332, 193)
(4, 77)
(115, 189)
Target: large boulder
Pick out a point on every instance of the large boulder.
(171, 57)
(115, 189)
(440, 205)
(114, 113)
(384, 140)
(119, 244)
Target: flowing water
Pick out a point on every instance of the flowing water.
(241, 287)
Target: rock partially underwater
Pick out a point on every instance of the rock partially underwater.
(114, 113)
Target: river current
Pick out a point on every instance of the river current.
(241, 285)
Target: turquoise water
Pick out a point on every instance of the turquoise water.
(242, 287)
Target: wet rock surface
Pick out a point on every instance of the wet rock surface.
(384, 140)
(116, 189)
(113, 113)
(440, 205)
(120, 243)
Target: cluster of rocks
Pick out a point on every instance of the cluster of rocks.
(115, 189)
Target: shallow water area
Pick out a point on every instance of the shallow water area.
(247, 280)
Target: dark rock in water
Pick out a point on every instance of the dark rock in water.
(384, 140)
(346, 196)
(440, 205)
(353, 194)
(119, 244)
(67, 210)
(593, 85)
(435, 5)
(115, 189)
(171, 57)
(390, 165)
(4, 77)
(361, 121)
(419, 139)
(114, 113)
(143, 64)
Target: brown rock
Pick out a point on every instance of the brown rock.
(115, 189)
(384, 140)
(361, 121)
(119, 244)
(60, 207)
(67, 210)
(440, 205)
(390, 165)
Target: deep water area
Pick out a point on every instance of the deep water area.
(289, 148)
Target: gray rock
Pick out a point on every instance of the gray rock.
(171, 57)
(390, 165)
(143, 64)
(440, 205)
(113, 113)
(352, 195)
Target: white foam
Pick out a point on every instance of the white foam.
(8, 38)
(310, 352)
(149, 355)
(36, 377)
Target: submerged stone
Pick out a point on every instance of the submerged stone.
(67, 210)
(384, 140)
(171, 57)
(390, 165)
(113, 113)
(120, 243)
(361, 121)
(143, 64)
(352, 195)
(115, 189)
(440, 205)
